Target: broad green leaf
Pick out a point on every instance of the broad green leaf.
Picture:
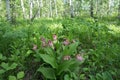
(13, 66)
(48, 73)
(49, 59)
(70, 49)
(12, 78)
(75, 67)
(65, 66)
(49, 51)
(28, 53)
(92, 77)
(4, 65)
(4, 58)
(20, 75)
(2, 71)
(107, 75)
(82, 76)
(66, 77)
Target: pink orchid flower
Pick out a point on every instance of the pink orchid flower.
(66, 42)
(34, 47)
(54, 37)
(50, 43)
(79, 57)
(67, 57)
(44, 43)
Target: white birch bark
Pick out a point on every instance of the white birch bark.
(23, 9)
(56, 12)
(119, 10)
(0, 3)
(8, 10)
(31, 8)
(50, 8)
(41, 5)
(71, 8)
(38, 3)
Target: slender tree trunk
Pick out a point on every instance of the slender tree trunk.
(96, 7)
(119, 10)
(8, 10)
(38, 3)
(65, 10)
(55, 8)
(23, 9)
(41, 5)
(109, 7)
(80, 10)
(13, 11)
(71, 9)
(31, 8)
(50, 8)
(0, 4)
(91, 9)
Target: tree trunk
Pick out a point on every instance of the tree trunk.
(8, 10)
(0, 4)
(50, 8)
(38, 3)
(31, 8)
(119, 11)
(91, 9)
(71, 9)
(55, 8)
(23, 9)
(40, 7)
(96, 7)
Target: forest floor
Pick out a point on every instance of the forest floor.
(60, 49)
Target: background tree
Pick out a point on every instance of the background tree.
(8, 10)
(91, 8)
(23, 9)
(119, 10)
(16, 9)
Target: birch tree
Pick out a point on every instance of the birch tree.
(40, 7)
(38, 3)
(96, 7)
(8, 10)
(50, 6)
(31, 8)
(23, 9)
(56, 12)
(119, 10)
(71, 9)
(91, 8)
(0, 4)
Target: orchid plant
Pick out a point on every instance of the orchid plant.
(60, 58)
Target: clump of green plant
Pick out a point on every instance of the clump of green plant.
(60, 59)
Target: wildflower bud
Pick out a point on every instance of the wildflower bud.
(79, 57)
(44, 44)
(34, 47)
(54, 37)
(73, 41)
(50, 43)
(42, 39)
(67, 57)
(66, 42)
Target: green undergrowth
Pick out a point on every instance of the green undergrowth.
(24, 56)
